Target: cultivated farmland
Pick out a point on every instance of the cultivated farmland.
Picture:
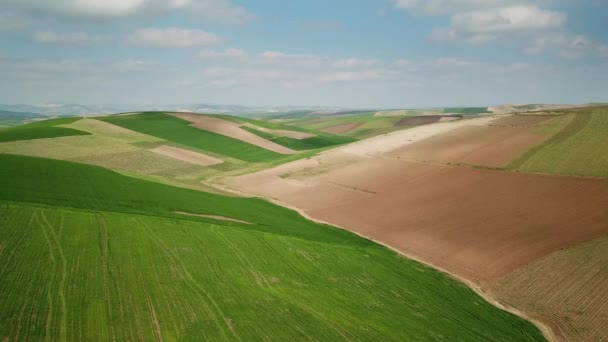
(111, 260)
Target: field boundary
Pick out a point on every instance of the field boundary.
(545, 329)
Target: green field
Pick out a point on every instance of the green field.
(466, 110)
(40, 130)
(577, 146)
(173, 129)
(88, 254)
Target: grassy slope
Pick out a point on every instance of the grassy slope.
(579, 147)
(179, 131)
(565, 289)
(40, 130)
(95, 275)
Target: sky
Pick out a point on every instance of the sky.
(347, 53)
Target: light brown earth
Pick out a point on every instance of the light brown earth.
(567, 289)
(495, 144)
(282, 133)
(186, 156)
(232, 130)
(341, 128)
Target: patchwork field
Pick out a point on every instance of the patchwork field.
(111, 260)
(443, 194)
(180, 131)
(513, 206)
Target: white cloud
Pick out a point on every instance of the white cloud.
(172, 38)
(350, 76)
(438, 7)
(209, 10)
(486, 25)
(228, 53)
(12, 21)
(356, 63)
(567, 46)
(71, 38)
(277, 57)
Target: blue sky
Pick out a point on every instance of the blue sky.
(354, 53)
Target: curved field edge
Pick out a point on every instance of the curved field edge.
(40, 130)
(161, 277)
(564, 289)
(576, 146)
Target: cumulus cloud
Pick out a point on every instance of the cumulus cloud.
(172, 38)
(13, 21)
(71, 38)
(228, 53)
(491, 24)
(209, 10)
(277, 57)
(356, 63)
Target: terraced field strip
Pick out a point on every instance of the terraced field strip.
(231, 130)
(578, 148)
(80, 275)
(181, 132)
(566, 289)
(187, 156)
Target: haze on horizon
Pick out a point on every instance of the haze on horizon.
(351, 53)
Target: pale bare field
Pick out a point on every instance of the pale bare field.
(186, 156)
(232, 130)
(567, 289)
(341, 128)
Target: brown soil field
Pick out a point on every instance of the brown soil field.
(426, 120)
(494, 144)
(341, 128)
(566, 289)
(186, 156)
(479, 224)
(232, 130)
(282, 133)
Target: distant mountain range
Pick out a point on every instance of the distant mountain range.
(79, 109)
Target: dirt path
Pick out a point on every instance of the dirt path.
(232, 130)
